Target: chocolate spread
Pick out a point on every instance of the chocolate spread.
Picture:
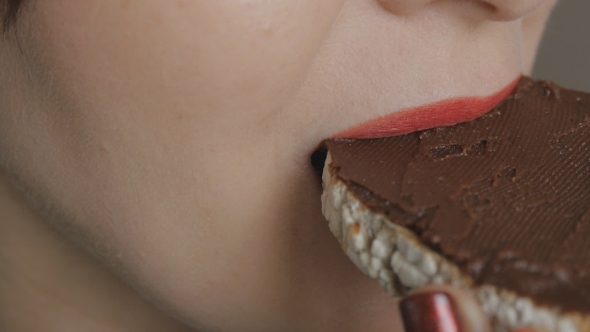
(506, 197)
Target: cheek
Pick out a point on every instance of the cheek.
(128, 90)
(146, 126)
(196, 57)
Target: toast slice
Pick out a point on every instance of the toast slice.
(499, 206)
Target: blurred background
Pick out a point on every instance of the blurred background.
(564, 54)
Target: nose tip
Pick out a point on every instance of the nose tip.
(509, 10)
(496, 10)
(403, 7)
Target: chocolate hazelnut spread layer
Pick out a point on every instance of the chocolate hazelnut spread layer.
(506, 197)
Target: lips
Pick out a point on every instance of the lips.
(442, 113)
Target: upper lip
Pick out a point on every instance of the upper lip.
(442, 113)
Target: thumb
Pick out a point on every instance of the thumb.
(439, 308)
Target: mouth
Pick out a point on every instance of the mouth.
(442, 113)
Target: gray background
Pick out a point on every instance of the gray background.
(564, 54)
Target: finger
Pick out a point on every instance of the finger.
(442, 309)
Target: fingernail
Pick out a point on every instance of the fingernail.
(429, 312)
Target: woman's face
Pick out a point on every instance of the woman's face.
(172, 139)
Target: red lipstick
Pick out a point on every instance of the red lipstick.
(442, 113)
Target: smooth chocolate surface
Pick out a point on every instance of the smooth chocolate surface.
(506, 197)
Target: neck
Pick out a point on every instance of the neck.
(48, 284)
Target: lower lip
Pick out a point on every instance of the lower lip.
(443, 113)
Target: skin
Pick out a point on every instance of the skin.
(154, 155)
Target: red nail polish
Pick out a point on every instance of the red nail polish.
(429, 312)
